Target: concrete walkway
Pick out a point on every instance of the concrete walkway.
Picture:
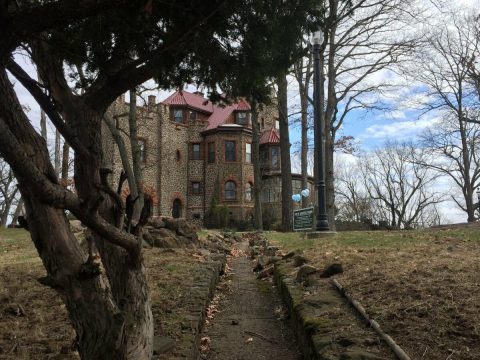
(247, 326)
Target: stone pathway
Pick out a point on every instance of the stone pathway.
(247, 326)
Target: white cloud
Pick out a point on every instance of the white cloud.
(397, 130)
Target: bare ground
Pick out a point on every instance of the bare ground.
(423, 287)
(33, 320)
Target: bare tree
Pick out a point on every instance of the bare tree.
(444, 67)
(303, 72)
(353, 202)
(397, 179)
(361, 39)
(287, 210)
(8, 191)
(257, 175)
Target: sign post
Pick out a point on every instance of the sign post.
(303, 219)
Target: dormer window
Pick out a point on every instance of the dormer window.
(178, 116)
(242, 118)
(193, 115)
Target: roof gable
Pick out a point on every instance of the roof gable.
(270, 136)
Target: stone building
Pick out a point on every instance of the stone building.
(196, 155)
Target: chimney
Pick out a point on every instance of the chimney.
(151, 100)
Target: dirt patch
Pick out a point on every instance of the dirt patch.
(34, 323)
(422, 287)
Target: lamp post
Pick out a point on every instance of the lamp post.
(322, 219)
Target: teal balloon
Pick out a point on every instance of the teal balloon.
(296, 197)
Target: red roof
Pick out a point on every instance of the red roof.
(194, 101)
(270, 137)
(218, 113)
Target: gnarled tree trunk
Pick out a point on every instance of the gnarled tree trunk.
(110, 324)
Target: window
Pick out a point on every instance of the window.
(264, 157)
(196, 152)
(178, 116)
(230, 190)
(277, 124)
(196, 188)
(211, 152)
(248, 152)
(274, 157)
(242, 118)
(193, 115)
(230, 153)
(267, 195)
(178, 155)
(143, 153)
(263, 123)
(248, 191)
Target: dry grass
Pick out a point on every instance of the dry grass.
(422, 286)
(33, 320)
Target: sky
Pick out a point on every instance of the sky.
(369, 128)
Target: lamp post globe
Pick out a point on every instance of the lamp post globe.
(321, 218)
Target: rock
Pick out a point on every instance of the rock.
(162, 345)
(289, 255)
(76, 226)
(165, 233)
(148, 237)
(157, 223)
(304, 271)
(262, 261)
(299, 260)
(267, 272)
(234, 322)
(273, 259)
(171, 223)
(333, 269)
(271, 250)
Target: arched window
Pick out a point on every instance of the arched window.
(177, 208)
(230, 190)
(248, 191)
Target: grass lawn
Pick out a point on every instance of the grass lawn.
(33, 320)
(423, 287)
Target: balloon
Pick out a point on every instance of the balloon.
(296, 197)
(305, 193)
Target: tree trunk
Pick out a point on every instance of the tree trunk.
(136, 162)
(18, 211)
(57, 157)
(65, 162)
(287, 211)
(5, 212)
(257, 176)
(110, 324)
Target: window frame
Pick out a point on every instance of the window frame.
(230, 191)
(248, 159)
(277, 157)
(195, 155)
(197, 191)
(174, 117)
(143, 151)
(248, 191)
(234, 151)
(243, 116)
(211, 154)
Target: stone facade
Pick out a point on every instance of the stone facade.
(196, 154)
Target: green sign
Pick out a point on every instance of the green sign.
(303, 219)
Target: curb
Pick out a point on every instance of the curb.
(200, 296)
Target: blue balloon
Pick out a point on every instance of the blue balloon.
(296, 197)
(305, 193)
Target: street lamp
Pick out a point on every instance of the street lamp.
(318, 93)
